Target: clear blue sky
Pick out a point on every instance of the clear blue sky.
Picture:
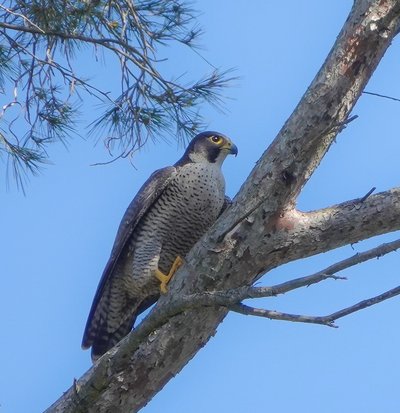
(56, 239)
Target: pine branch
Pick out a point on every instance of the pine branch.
(42, 43)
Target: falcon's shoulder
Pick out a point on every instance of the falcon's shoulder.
(146, 196)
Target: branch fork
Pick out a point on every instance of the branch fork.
(232, 299)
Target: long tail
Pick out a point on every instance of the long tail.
(104, 340)
(107, 337)
(111, 318)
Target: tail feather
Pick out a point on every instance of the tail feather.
(106, 339)
(111, 318)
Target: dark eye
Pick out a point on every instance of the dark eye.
(216, 139)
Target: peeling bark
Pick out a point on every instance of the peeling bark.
(262, 229)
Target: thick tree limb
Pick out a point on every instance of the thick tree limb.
(262, 229)
(295, 235)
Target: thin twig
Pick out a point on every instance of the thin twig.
(367, 194)
(381, 96)
(71, 36)
(23, 17)
(364, 304)
(343, 125)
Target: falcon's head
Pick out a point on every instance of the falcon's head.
(209, 146)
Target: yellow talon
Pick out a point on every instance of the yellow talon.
(164, 279)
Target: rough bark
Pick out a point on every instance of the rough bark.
(262, 229)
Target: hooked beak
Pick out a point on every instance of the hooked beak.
(231, 148)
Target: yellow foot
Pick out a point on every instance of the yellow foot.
(164, 279)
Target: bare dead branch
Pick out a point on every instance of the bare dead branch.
(328, 320)
(232, 298)
(382, 96)
(358, 258)
(236, 295)
(367, 194)
(277, 315)
(364, 304)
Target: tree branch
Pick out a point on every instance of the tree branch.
(41, 37)
(262, 229)
(293, 235)
(34, 29)
(382, 96)
(277, 315)
(328, 320)
(364, 304)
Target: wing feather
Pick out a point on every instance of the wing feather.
(147, 195)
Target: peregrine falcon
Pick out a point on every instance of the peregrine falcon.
(169, 214)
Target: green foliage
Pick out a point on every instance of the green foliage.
(39, 51)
